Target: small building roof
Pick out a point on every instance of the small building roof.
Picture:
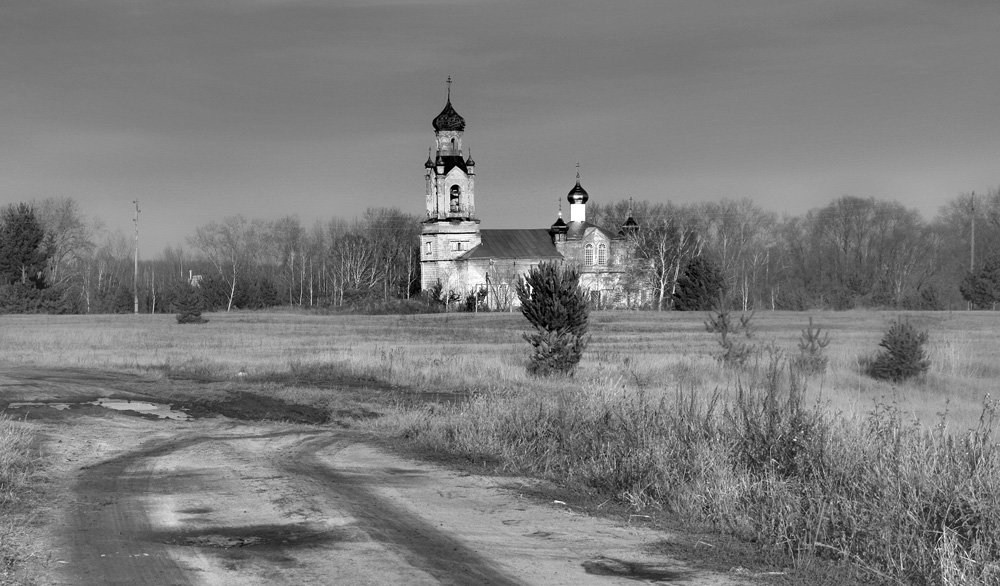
(528, 243)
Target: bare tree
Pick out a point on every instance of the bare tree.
(233, 246)
(69, 238)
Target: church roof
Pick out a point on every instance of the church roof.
(520, 243)
(449, 119)
(576, 231)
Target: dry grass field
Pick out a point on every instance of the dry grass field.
(898, 480)
(444, 352)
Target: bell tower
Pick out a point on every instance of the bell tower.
(451, 228)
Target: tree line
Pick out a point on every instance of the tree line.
(56, 260)
(853, 252)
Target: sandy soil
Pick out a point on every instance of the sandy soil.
(222, 501)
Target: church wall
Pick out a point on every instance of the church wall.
(575, 253)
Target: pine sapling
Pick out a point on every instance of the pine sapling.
(902, 356)
(553, 302)
(189, 306)
(812, 357)
(721, 321)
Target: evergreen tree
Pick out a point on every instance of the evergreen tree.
(982, 288)
(555, 304)
(189, 306)
(699, 286)
(902, 356)
(22, 246)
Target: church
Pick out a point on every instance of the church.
(466, 259)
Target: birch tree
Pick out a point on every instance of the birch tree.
(233, 246)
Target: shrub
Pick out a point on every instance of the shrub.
(189, 307)
(552, 300)
(903, 355)
(812, 345)
(722, 322)
(927, 298)
(445, 300)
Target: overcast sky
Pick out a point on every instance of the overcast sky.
(321, 108)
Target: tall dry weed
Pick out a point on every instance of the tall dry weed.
(16, 461)
(17, 466)
(898, 500)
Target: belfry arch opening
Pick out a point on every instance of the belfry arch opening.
(454, 198)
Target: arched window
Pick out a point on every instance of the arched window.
(456, 194)
(602, 254)
(588, 255)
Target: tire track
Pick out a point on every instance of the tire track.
(423, 546)
(114, 542)
(108, 522)
(110, 536)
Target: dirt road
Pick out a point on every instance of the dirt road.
(221, 501)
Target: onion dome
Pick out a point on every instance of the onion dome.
(469, 162)
(559, 225)
(578, 194)
(430, 163)
(449, 119)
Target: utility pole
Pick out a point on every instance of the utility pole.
(135, 271)
(972, 241)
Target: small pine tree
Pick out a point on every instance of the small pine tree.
(475, 301)
(552, 300)
(812, 345)
(699, 286)
(721, 321)
(436, 295)
(903, 355)
(189, 306)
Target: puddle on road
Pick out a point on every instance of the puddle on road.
(225, 541)
(158, 410)
(275, 537)
(605, 566)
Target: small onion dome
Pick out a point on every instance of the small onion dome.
(449, 119)
(430, 163)
(469, 162)
(578, 194)
(559, 227)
